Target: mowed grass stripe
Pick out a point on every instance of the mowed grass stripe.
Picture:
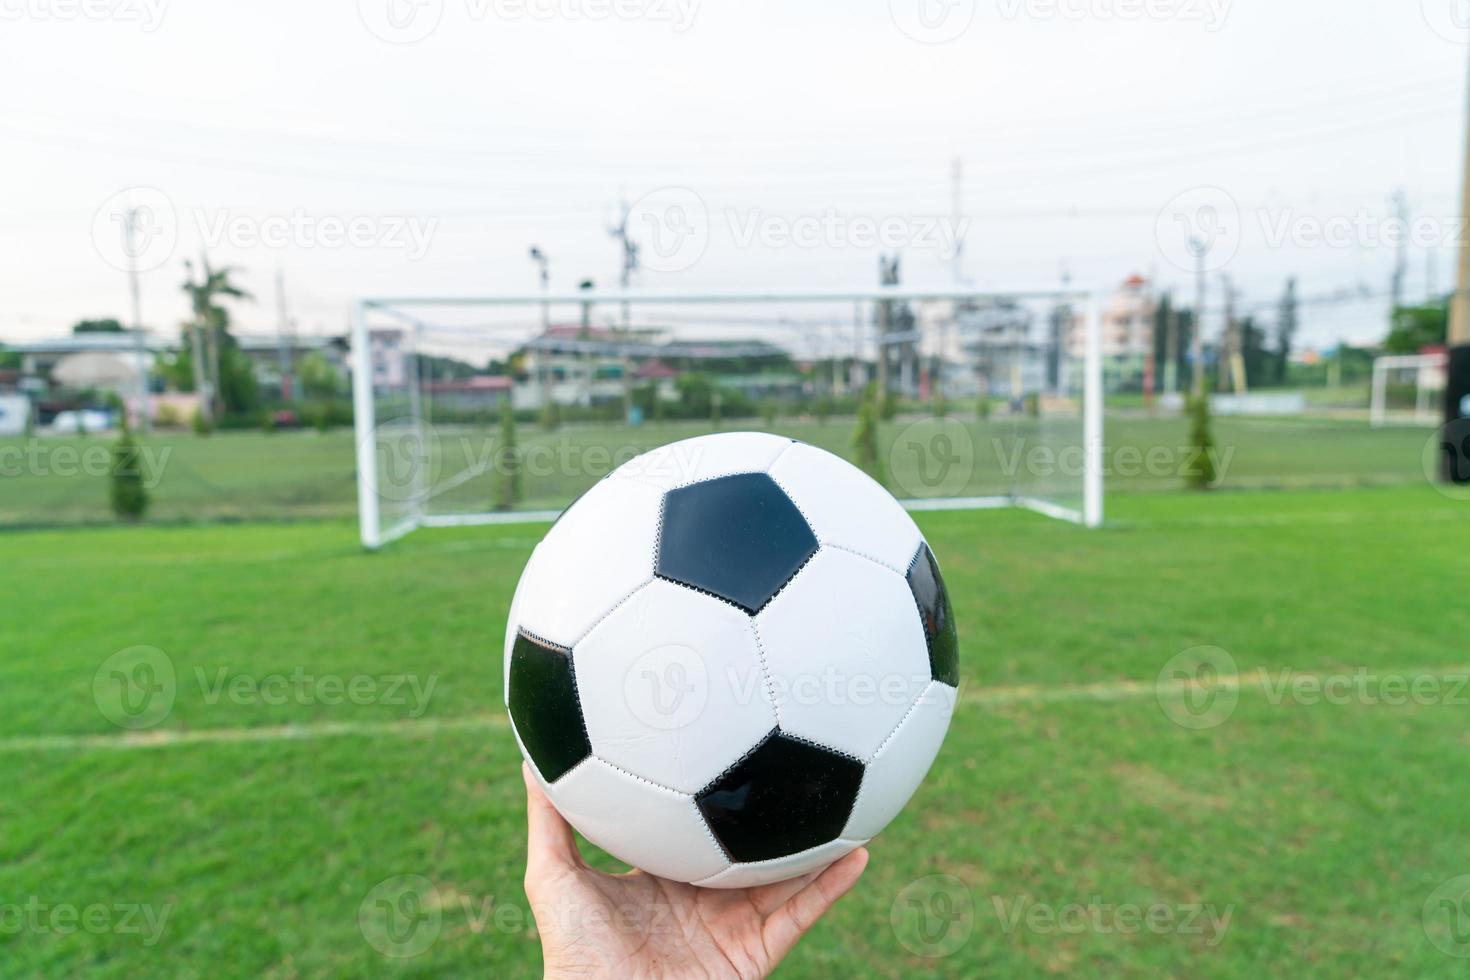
(1258, 679)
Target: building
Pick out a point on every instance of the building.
(38, 358)
(1127, 324)
(589, 366)
(1004, 348)
(476, 396)
(389, 357)
(270, 353)
(574, 365)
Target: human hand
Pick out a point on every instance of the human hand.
(635, 925)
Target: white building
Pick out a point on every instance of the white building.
(1127, 323)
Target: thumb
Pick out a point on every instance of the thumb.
(550, 846)
(792, 920)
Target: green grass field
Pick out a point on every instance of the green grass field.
(242, 834)
(306, 475)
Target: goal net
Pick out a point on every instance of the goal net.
(493, 409)
(1409, 390)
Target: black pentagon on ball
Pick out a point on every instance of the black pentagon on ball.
(938, 617)
(784, 797)
(739, 538)
(545, 708)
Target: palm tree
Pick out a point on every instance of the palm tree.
(211, 320)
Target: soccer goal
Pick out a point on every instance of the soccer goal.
(496, 409)
(1409, 390)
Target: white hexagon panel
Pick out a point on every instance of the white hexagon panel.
(595, 556)
(846, 652)
(863, 518)
(680, 464)
(674, 688)
(673, 840)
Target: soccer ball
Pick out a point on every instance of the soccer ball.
(732, 661)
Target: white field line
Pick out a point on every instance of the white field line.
(970, 697)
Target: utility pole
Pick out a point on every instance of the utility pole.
(285, 354)
(884, 310)
(1236, 332)
(1171, 349)
(145, 415)
(1197, 338)
(1225, 355)
(543, 268)
(957, 215)
(1150, 355)
(1401, 251)
(1455, 467)
(203, 390)
(630, 256)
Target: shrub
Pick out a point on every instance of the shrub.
(128, 494)
(823, 409)
(887, 406)
(1199, 471)
(507, 461)
(865, 437)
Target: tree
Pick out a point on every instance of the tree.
(97, 326)
(1287, 324)
(209, 330)
(1417, 327)
(1261, 365)
(1163, 313)
(865, 437)
(1199, 470)
(507, 461)
(129, 495)
(318, 378)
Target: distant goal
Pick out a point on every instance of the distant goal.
(996, 395)
(1409, 390)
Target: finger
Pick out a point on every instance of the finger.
(791, 921)
(769, 898)
(550, 845)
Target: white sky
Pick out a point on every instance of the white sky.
(1078, 124)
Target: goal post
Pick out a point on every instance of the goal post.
(997, 394)
(1408, 389)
